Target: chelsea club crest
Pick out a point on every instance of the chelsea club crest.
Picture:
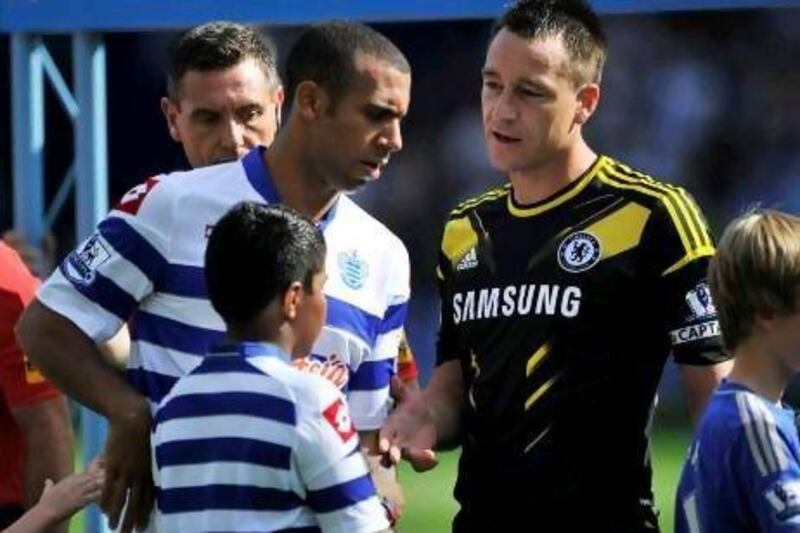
(580, 251)
(353, 269)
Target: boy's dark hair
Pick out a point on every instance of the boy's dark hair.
(254, 253)
(755, 272)
(325, 54)
(574, 20)
(217, 46)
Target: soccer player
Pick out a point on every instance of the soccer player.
(247, 441)
(224, 98)
(35, 428)
(743, 469)
(224, 94)
(350, 89)
(563, 293)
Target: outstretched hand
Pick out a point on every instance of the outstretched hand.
(410, 430)
(61, 500)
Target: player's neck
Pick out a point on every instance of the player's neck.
(758, 369)
(296, 186)
(542, 181)
(257, 332)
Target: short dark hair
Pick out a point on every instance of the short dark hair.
(574, 20)
(325, 54)
(255, 252)
(217, 46)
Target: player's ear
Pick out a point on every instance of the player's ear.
(587, 99)
(310, 100)
(171, 111)
(292, 299)
(764, 321)
(278, 97)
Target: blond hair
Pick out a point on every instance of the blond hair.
(755, 272)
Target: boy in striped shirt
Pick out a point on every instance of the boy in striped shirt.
(247, 442)
(743, 469)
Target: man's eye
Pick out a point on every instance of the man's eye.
(532, 93)
(250, 114)
(378, 114)
(206, 119)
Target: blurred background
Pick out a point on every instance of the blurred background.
(706, 99)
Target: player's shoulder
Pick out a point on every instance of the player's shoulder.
(489, 197)
(674, 216)
(645, 188)
(311, 392)
(357, 225)
(735, 411)
(163, 191)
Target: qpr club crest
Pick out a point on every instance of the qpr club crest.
(353, 269)
(580, 251)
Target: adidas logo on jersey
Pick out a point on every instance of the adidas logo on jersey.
(468, 261)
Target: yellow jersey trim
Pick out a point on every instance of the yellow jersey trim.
(560, 198)
(693, 238)
(538, 393)
(537, 358)
(621, 230)
(688, 258)
(459, 238)
(488, 196)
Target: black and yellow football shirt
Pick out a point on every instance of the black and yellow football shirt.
(562, 315)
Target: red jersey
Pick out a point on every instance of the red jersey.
(20, 384)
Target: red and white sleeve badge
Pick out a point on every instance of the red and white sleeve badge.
(339, 418)
(133, 199)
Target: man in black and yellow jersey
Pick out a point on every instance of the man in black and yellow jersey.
(563, 294)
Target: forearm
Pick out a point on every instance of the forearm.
(73, 362)
(48, 440)
(444, 397)
(35, 520)
(383, 477)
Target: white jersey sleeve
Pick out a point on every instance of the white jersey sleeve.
(100, 284)
(367, 293)
(331, 466)
(368, 393)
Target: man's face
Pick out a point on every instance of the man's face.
(221, 114)
(310, 315)
(528, 101)
(351, 144)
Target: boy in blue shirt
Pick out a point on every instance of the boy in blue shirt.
(743, 469)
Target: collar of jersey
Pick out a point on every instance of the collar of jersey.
(252, 349)
(727, 386)
(260, 179)
(565, 194)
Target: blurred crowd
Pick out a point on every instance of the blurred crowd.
(705, 99)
